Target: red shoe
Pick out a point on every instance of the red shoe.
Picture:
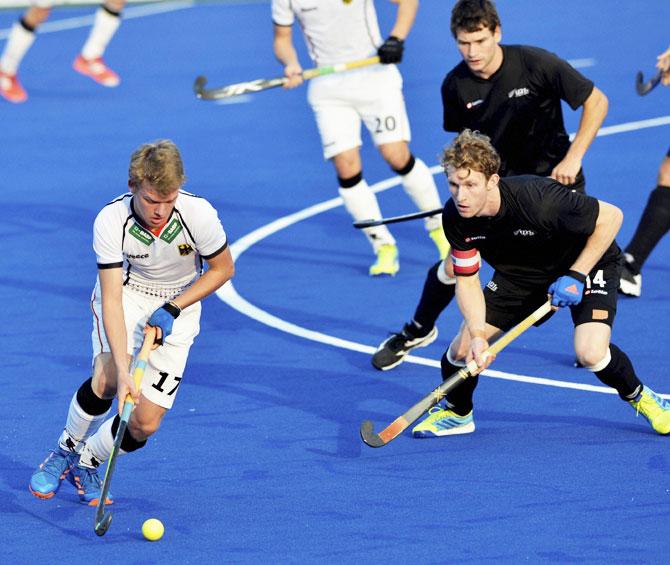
(97, 70)
(11, 89)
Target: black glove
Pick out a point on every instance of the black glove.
(391, 50)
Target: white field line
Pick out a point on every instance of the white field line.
(230, 296)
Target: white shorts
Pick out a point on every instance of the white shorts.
(372, 95)
(166, 363)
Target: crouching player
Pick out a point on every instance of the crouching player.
(150, 246)
(540, 239)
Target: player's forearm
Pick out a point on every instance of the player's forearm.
(221, 270)
(470, 299)
(405, 18)
(284, 50)
(607, 226)
(593, 114)
(114, 323)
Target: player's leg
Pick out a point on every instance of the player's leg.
(653, 225)
(89, 62)
(160, 385)
(438, 291)
(593, 319)
(21, 37)
(385, 116)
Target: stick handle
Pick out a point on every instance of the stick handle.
(361, 224)
(140, 365)
(340, 67)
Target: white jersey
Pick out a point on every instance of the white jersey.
(336, 31)
(164, 263)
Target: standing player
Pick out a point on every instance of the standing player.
(539, 238)
(89, 62)
(150, 245)
(655, 220)
(512, 93)
(340, 31)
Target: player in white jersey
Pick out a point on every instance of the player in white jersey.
(89, 62)
(150, 246)
(341, 31)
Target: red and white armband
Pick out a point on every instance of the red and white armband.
(466, 263)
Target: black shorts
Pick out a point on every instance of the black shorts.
(508, 303)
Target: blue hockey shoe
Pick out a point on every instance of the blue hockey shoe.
(88, 485)
(46, 480)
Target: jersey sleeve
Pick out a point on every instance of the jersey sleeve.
(108, 239)
(210, 237)
(282, 14)
(464, 256)
(561, 77)
(450, 107)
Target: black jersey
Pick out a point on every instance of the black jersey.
(518, 107)
(535, 237)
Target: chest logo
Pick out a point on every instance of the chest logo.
(474, 238)
(172, 231)
(138, 232)
(524, 233)
(518, 92)
(185, 249)
(474, 103)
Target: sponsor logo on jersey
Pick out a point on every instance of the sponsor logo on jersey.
(492, 286)
(138, 232)
(185, 249)
(524, 233)
(172, 231)
(141, 256)
(474, 238)
(518, 92)
(347, 1)
(474, 103)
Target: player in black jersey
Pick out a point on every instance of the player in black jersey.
(540, 239)
(513, 94)
(655, 220)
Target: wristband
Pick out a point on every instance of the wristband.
(577, 276)
(172, 309)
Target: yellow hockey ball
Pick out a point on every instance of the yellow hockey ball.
(153, 529)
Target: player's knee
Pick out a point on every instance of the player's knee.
(593, 357)
(114, 6)
(131, 440)
(399, 157)
(456, 353)
(664, 173)
(141, 430)
(34, 17)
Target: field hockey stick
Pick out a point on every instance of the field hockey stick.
(264, 84)
(395, 219)
(395, 428)
(103, 519)
(643, 87)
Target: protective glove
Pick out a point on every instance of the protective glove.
(391, 50)
(163, 318)
(568, 289)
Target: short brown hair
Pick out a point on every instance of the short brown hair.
(159, 163)
(473, 151)
(473, 15)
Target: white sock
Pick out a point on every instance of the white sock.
(420, 186)
(99, 447)
(104, 28)
(362, 204)
(79, 427)
(18, 43)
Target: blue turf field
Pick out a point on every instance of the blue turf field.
(260, 460)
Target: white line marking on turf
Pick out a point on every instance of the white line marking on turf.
(128, 14)
(230, 296)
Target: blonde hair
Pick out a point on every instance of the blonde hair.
(159, 163)
(473, 151)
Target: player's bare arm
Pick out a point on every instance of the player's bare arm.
(407, 10)
(287, 55)
(593, 114)
(111, 287)
(607, 226)
(471, 303)
(220, 269)
(663, 65)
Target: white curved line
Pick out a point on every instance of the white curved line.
(230, 296)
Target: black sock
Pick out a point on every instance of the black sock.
(653, 225)
(128, 442)
(459, 398)
(435, 297)
(620, 375)
(89, 401)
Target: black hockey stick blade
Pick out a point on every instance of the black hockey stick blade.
(643, 87)
(395, 219)
(199, 85)
(369, 436)
(102, 521)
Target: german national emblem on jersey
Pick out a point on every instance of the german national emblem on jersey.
(347, 1)
(185, 249)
